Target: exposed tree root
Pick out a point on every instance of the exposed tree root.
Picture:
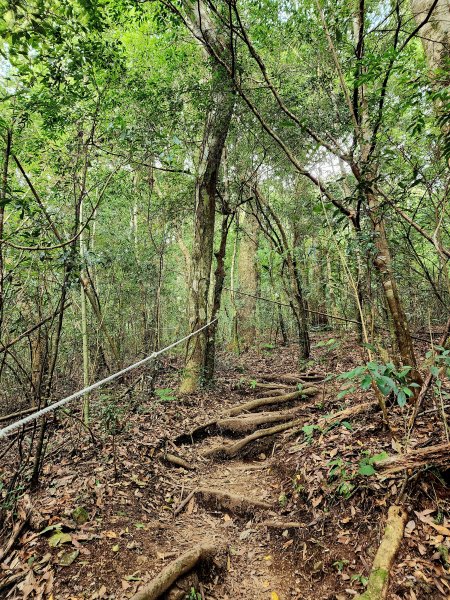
(232, 502)
(24, 516)
(231, 450)
(252, 421)
(273, 386)
(183, 586)
(347, 412)
(312, 376)
(259, 402)
(181, 565)
(436, 456)
(176, 460)
(196, 434)
(202, 431)
(281, 525)
(277, 392)
(377, 586)
(292, 378)
(226, 500)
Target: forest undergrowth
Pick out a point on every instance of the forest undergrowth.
(298, 514)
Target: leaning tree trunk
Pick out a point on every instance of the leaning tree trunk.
(248, 281)
(368, 170)
(383, 264)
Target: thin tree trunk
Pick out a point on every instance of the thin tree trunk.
(383, 264)
(3, 195)
(234, 319)
(219, 279)
(248, 275)
(295, 294)
(84, 327)
(368, 169)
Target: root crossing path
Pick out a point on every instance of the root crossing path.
(228, 518)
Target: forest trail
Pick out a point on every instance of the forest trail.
(246, 203)
(229, 501)
(288, 516)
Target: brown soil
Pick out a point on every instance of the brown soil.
(309, 477)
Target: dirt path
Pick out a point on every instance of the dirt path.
(290, 514)
(228, 502)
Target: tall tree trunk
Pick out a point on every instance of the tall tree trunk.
(383, 264)
(214, 136)
(3, 196)
(368, 171)
(248, 275)
(219, 279)
(234, 319)
(216, 129)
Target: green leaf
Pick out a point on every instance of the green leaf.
(366, 469)
(68, 557)
(377, 457)
(80, 515)
(401, 398)
(366, 382)
(353, 373)
(59, 538)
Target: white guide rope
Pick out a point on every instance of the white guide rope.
(28, 419)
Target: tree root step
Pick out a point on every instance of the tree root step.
(231, 450)
(197, 434)
(274, 386)
(178, 567)
(292, 378)
(281, 525)
(229, 501)
(252, 421)
(277, 392)
(260, 402)
(211, 427)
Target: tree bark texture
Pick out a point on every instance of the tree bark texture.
(248, 275)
